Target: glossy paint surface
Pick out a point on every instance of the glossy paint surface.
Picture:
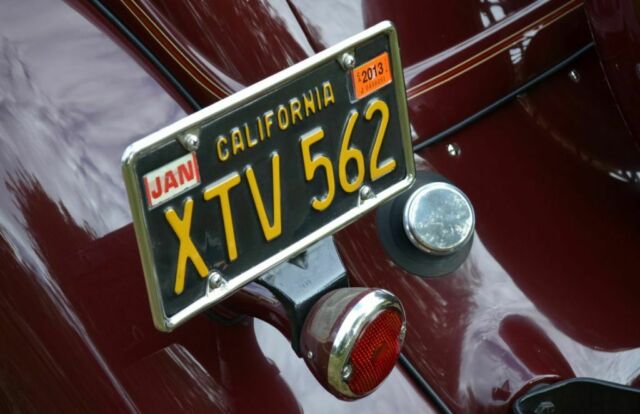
(424, 28)
(198, 40)
(489, 66)
(548, 291)
(76, 330)
(477, 51)
(199, 43)
(61, 135)
(446, 48)
(616, 28)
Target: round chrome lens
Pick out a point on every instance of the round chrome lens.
(438, 218)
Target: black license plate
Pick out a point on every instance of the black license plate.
(231, 191)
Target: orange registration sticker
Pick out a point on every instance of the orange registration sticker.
(372, 75)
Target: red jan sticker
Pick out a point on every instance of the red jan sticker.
(176, 177)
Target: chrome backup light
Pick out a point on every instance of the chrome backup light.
(438, 218)
(352, 339)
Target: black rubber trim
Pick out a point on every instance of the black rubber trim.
(496, 104)
(424, 385)
(580, 395)
(147, 53)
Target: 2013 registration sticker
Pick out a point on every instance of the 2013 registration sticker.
(372, 75)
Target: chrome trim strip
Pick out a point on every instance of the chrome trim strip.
(159, 138)
(366, 310)
(477, 59)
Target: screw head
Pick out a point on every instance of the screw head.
(366, 193)
(190, 141)
(454, 150)
(403, 333)
(215, 280)
(347, 371)
(310, 355)
(545, 407)
(348, 61)
(574, 75)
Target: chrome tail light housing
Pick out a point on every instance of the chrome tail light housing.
(352, 338)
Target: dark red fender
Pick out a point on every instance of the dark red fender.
(75, 328)
(616, 28)
(549, 290)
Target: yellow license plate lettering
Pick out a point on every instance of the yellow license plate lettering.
(347, 154)
(187, 250)
(376, 170)
(270, 231)
(311, 164)
(221, 189)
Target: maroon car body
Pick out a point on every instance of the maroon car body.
(509, 99)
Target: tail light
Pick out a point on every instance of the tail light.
(352, 338)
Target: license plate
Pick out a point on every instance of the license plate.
(229, 192)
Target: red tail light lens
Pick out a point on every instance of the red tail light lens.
(375, 352)
(352, 338)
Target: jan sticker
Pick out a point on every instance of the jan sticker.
(176, 177)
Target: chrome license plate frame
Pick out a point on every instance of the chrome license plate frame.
(137, 178)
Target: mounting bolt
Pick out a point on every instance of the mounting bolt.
(348, 61)
(545, 407)
(366, 193)
(310, 355)
(454, 150)
(189, 141)
(215, 280)
(574, 75)
(403, 333)
(346, 372)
